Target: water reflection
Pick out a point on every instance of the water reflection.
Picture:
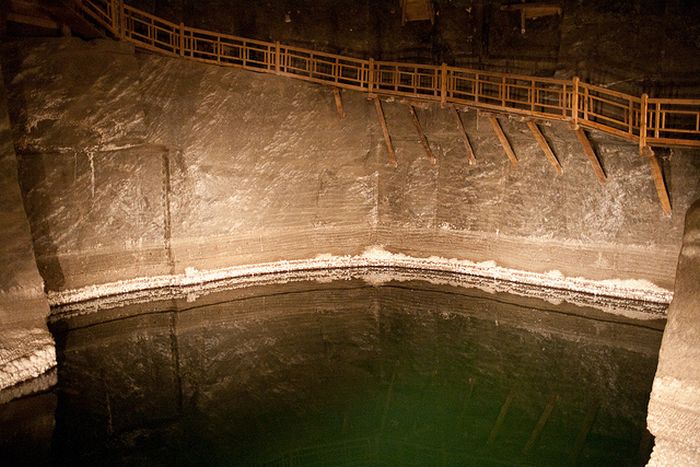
(346, 374)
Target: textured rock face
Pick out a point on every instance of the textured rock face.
(26, 348)
(136, 165)
(674, 408)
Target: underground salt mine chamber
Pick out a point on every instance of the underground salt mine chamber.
(392, 232)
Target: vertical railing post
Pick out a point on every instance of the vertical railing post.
(122, 19)
(114, 16)
(443, 85)
(370, 76)
(503, 91)
(630, 117)
(476, 87)
(182, 39)
(574, 101)
(643, 122)
(278, 56)
(658, 123)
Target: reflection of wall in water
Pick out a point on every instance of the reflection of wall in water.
(323, 363)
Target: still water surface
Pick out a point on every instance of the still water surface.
(348, 374)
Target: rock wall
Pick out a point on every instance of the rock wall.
(134, 165)
(26, 348)
(674, 408)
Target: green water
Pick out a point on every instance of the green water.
(346, 374)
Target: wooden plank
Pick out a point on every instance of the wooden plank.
(501, 417)
(537, 431)
(590, 153)
(467, 144)
(544, 145)
(421, 136)
(385, 130)
(339, 103)
(495, 124)
(658, 175)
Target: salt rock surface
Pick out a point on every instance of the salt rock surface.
(146, 166)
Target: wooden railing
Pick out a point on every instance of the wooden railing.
(657, 121)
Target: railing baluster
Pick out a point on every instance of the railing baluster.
(443, 84)
(277, 57)
(629, 116)
(502, 91)
(656, 120)
(643, 122)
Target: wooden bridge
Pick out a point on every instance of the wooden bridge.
(643, 120)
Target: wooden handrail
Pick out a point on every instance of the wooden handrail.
(657, 121)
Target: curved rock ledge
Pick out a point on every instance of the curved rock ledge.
(25, 354)
(634, 298)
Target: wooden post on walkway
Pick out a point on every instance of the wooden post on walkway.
(385, 130)
(182, 39)
(574, 102)
(115, 16)
(443, 85)
(278, 57)
(644, 113)
(121, 14)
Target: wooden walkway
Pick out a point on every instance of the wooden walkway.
(642, 120)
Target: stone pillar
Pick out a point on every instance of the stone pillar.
(674, 407)
(26, 347)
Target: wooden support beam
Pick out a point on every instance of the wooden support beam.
(495, 124)
(467, 145)
(385, 130)
(501, 417)
(339, 103)
(535, 435)
(590, 153)
(544, 145)
(658, 174)
(421, 136)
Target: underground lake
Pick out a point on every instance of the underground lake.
(342, 372)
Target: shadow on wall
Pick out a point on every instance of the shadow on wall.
(32, 173)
